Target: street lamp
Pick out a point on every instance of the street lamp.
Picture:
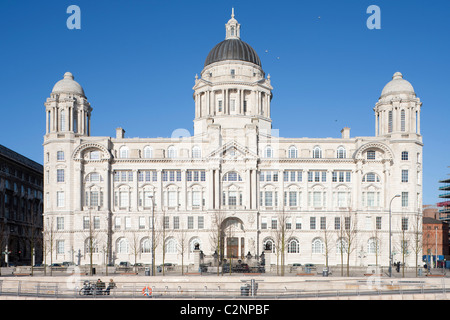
(153, 234)
(390, 235)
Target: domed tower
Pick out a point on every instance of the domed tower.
(232, 91)
(67, 109)
(397, 112)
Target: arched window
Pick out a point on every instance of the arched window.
(123, 246)
(373, 246)
(232, 176)
(403, 120)
(371, 177)
(94, 177)
(192, 244)
(270, 243)
(171, 246)
(146, 246)
(196, 152)
(90, 246)
(123, 152)
(171, 152)
(148, 152)
(293, 246)
(268, 152)
(317, 246)
(292, 152)
(317, 152)
(341, 153)
(341, 246)
(62, 116)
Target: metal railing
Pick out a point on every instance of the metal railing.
(229, 290)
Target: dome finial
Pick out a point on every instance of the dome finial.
(232, 27)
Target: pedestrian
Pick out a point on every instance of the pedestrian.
(100, 285)
(111, 285)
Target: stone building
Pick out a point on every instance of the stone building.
(234, 185)
(21, 208)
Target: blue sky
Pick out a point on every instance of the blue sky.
(137, 60)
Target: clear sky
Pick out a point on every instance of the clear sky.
(137, 61)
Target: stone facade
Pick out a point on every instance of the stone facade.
(234, 177)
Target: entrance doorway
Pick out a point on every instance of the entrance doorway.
(232, 247)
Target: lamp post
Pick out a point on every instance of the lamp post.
(390, 235)
(153, 234)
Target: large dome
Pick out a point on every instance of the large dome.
(68, 85)
(233, 49)
(397, 85)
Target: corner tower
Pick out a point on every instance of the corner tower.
(67, 110)
(232, 91)
(397, 112)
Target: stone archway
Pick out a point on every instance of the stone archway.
(233, 238)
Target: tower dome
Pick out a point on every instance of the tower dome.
(232, 48)
(397, 85)
(68, 85)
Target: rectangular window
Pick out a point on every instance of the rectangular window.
(60, 199)
(196, 198)
(371, 199)
(404, 199)
(176, 223)
(378, 223)
(310, 176)
(317, 199)
(323, 223)
(268, 201)
(93, 198)
(264, 223)
(60, 223)
(404, 224)
(200, 222)
(292, 198)
(166, 223)
(190, 223)
(86, 223)
(390, 122)
(312, 223)
(172, 199)
(127, 223)
(337, 223)
(60, 155)
(298, 223)
(60, 175)
(232, 105)
(60, 246)
(347, 223)
(141, 222)
(117, 223)
(232, 198)
(124, 199)
(404, 175)
(96, 223)
(405, 155)
(370, 155)
(274, 223)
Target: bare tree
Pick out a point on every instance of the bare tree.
(183, 246)
(417, 244)
(351, 229)
(404, 241)
(50, 236)
(216, 236)
(282, 235)
(91, 238)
